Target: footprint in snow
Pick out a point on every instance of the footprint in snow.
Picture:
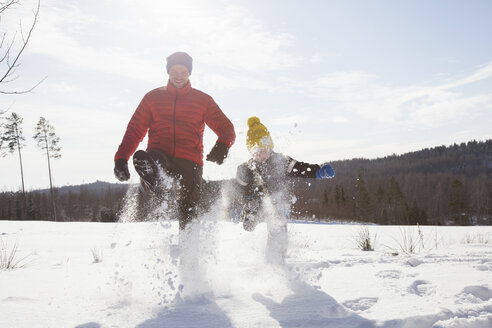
(421, 288)
(480, 292)
(361, 304)
(413, 262)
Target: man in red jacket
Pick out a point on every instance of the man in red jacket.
(174, 117)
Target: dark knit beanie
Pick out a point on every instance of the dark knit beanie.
(179, 58)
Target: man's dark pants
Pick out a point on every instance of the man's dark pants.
(189, 175)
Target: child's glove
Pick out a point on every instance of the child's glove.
(325, 172)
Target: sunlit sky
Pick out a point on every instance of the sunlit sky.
(331, 80)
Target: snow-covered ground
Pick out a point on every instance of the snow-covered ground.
(94, 275)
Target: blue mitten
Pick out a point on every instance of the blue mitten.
(325, 172)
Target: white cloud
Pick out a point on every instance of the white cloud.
(436, 112)
(481, 74)
(216, 34)
(339, 119)
(316, 58)
(417, 105)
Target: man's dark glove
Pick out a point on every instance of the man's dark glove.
(121, 170)
(219, 153)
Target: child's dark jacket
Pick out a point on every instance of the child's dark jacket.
(272, 175)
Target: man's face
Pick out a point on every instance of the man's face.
(179, 76)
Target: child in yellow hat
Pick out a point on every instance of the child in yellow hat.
(267, 174)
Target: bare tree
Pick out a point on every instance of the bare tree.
(48, 141)
(9, 53)
(12, 137)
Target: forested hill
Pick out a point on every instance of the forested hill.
(471, 159)
(441, 185)
(97, 189)
(438, 185)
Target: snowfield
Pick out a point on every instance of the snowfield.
(91, 275)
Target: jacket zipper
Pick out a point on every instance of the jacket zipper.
(174, 125)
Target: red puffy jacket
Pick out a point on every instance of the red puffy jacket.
(175, 119)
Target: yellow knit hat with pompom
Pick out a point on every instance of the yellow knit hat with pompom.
(258, 136)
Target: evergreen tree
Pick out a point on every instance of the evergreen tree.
(47, 140)
(381, 216)
(363, 206)
(12, 140)
(338, 196)
(325, 199)
(31, 210)
(459, 203)
(397, 206)
(413, 214)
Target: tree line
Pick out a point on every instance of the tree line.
(98, 202)
(439, 186)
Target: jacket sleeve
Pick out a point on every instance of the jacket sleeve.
(220, 124)
(135, 132)
(301, 169)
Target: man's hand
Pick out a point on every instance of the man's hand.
(121, 170)
(219, 153)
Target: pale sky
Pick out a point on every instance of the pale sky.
(331, 80)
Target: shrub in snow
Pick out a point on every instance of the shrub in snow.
(97, 255)
(476, 239)
(364, 240)
(9, 256)
(408, 242)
